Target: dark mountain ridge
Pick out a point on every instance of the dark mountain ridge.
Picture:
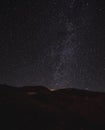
(37, 107)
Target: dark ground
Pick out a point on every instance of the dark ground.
(38, 108)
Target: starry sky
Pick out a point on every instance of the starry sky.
(55, 43)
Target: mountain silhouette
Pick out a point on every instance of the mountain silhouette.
(38, 108)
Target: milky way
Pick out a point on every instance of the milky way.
(54, 43)
(65, 58)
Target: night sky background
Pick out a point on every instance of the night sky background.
(55, 43)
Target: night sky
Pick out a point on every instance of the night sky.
(55, 43)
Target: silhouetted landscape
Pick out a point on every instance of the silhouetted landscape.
(39, 108)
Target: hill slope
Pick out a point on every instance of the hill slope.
(36, 107)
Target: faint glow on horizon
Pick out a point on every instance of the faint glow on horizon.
(52, 89)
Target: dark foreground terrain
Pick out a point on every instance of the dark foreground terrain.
(38, 108)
